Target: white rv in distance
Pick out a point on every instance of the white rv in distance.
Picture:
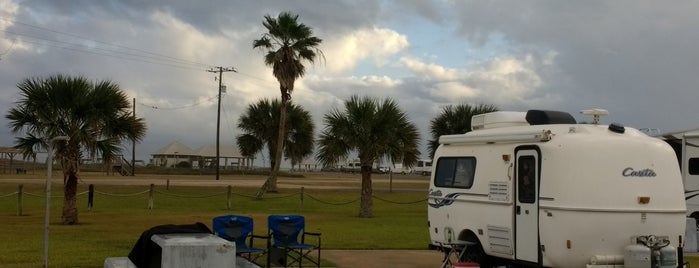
(423, 167)
(537, 189)
(686, 146)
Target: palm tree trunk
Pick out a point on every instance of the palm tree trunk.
(70, 201)
(271, 182)
(366, 199)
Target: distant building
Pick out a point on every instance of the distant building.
(180, 155)
(7, 157)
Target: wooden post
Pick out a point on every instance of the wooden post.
(20, 200)
(228, 199)
(150, 196)
(303, 191)
(90, 197)
(390, 181)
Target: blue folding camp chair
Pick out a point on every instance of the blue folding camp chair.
(284, 231)
(239, 230)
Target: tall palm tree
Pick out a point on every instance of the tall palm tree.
(454, 119)
(95, 116)
(260, 123)
(288, 44)
(373, 129)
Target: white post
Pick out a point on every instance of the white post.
(49, 167)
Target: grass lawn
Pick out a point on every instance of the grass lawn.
(120, 214)
(119, 217)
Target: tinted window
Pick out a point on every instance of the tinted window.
(456, 172)
(693, 166)
(526, 179)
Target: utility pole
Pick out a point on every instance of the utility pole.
(220, 71)
(133, 144)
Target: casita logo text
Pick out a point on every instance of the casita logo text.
(630, 172)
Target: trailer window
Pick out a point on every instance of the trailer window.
(526, 179)
(693, 166)
(455, 172)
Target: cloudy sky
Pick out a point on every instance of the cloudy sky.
(637, 59)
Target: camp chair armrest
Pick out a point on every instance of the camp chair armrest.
(260, 236)
(309, 233)
(317, 235)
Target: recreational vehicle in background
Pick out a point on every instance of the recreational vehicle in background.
(686, 147)
(423, 167)
(538, 189)
(398, 168)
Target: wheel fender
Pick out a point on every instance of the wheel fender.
(468, 235)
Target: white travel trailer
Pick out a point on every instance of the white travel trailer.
(538, 189)
(423, 167)
(686, 146)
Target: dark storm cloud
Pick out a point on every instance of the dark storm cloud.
(635, 58)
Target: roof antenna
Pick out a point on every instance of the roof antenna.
(596, 114)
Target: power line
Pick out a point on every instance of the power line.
(105, 48)
(113, 50)
(8, 49)
(104, 43)
(103, 51)
(198, 103)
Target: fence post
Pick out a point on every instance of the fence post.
(90, 197)
(20, 199)
(167, 185)
(150, 196)
(390, 181)
(228, 198)
(303, 191)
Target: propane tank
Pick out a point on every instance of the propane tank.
(668, 257)
(637, 256)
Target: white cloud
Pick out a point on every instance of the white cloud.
(430, 70)
(8, 10)
(452, 90)
(507, 76)
(500, 80)
(343, 53)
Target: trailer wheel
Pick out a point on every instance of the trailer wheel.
(476, 254)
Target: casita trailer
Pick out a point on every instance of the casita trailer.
(537, 189)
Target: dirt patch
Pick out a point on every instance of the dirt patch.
(383, 258)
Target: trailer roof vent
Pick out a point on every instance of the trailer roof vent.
(617, 128)
(543, 117)
(498, 119)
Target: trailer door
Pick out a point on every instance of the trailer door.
(527, 206)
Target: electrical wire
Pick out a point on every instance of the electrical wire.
(8, 49)
(107, 49)
(115, 50)
(198, 103)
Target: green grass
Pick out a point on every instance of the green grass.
(116, 222)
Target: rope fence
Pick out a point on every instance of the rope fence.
(151, 193)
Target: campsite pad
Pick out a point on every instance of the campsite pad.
(383, 258)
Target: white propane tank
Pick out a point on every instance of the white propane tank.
(637, 256)
(668, 257)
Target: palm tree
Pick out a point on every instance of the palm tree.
(454, 120)
(288, 43)
(373, 130)
(260, 122)
(95, 116)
